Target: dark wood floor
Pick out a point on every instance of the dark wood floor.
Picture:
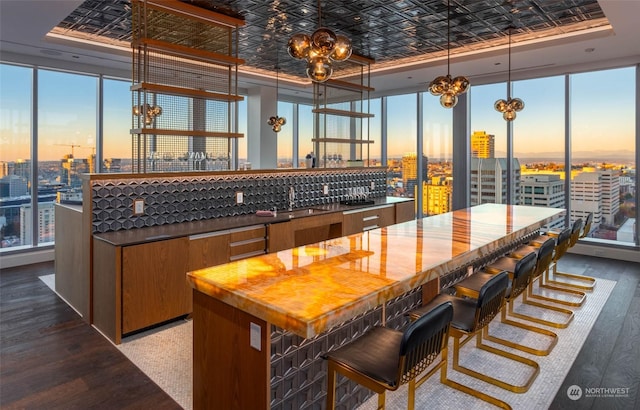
(51, 359)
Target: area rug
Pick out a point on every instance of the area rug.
(165, 355)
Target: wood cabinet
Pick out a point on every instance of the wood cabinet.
(279, 237)
(154, 283)
(361, 220)
(208, 249)
(405, 211)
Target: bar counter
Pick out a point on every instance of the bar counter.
(312, 289)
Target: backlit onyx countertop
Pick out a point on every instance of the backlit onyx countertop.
(170, 231)
(310, 289)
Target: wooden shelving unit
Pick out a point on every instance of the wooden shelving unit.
(184, 86)
(342, 113)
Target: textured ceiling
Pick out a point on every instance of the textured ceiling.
(390, 32)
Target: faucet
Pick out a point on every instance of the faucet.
(292, 198)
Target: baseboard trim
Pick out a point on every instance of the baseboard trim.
(630, 254)
(13, 260)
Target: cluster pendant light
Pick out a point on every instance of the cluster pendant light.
(510, 106)
(150, 112)
(275, 121)
(319, 50)
(446, 87)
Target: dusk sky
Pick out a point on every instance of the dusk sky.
(599, 113)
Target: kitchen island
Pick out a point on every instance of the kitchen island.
(261, 324)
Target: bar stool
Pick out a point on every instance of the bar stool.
(544, 253)
(470, 317)
(520, 272)
(545, 281)
(383, 359)
(577, 231)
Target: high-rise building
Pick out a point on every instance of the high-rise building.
(482, 145)
(597, 192)
(543, 190)
(410, 171)
(489, 181)
(46, 223)
(12, 186)
(437, 195)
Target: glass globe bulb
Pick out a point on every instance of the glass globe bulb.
(299, 46)
(509, 115)
(517, 104)
(500, 106)
(438, 85)
(319, 69)
(342, 49)
(448, 100)
(324, 40)
(460, 84)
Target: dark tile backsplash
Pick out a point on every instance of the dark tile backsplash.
(178, 199)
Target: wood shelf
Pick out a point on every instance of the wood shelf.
(342, 140)
(186, 52)
(342, 113)
(187, 133)
(167, 89)
(344, 85)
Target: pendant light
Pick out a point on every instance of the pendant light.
(275, 121)
(510, 106)
(320, 50)
(446, 87)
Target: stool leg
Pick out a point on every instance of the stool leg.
(381, 400)
(467, 389)
(331, 387)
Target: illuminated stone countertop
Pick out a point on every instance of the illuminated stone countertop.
(310, 289)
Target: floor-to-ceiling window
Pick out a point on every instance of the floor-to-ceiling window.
(603, 178)
(66, 141)
(437, 135)
(285, 136)
(539, 142)
(488, 145)
(373, 129)
(305, 133)
(402, 135)
(15, 155)
(116, 126)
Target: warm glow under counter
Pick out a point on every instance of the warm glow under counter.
(312, 288)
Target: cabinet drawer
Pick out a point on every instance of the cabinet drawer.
(245, 249)
(249, 232)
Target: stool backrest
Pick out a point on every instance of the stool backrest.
(522, 274)
(545, 256)
(562, 244)
(587, 225)
(423, 340)
(576, 231)
(491, 299)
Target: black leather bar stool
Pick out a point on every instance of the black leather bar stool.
(520, 272)
(578, 230)
(384, 359)
(470, 317)
(544, 253)
(561, 245)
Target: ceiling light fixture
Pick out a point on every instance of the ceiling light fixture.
(275, 121)
(446, 87)
(510, 106)
(320, 50)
